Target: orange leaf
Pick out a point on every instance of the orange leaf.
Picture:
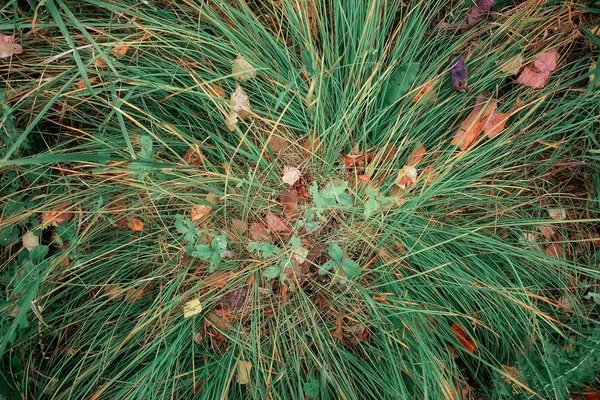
(536, 74)
(135, 224)
(200, 211)
(58, 215)
(310, 146)
(495, 124)
(120, 50)
(417, 156)
(472, 126)
(463, 338)
(217, 280)
(425, 92)
(276, 224)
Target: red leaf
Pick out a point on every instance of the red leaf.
(58, 215)
(463, 338)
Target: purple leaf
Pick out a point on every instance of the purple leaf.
(458, 73)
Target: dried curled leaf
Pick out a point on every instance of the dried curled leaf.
(536, 74)
(58, 215)
(472, 126)
(291, 175)
(242, 69)
(8, 47)
(240, 107)
(406, 176)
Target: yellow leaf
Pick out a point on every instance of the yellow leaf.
(513, 65)
(243, 372)
(192, 308)
(242, 69)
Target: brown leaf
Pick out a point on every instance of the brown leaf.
(217, 279)
(289, 200)
(81, 83)
(417, 156)
(133, 294)
(463, 338)
(357, 160)
(277, 144)
(310, 146)
(259, 233)
(194, 156)
(495, 124)
(239, 225)
(240, 107)
(554, 250)
(119, 50)
(58, 215)
(200, 211)
(547, 231)
(472, 126)
(113, 292)
(406, 176)
(215, 91)
(536, 74)
(276, 224)
(479, 11)
(8, 47)
(129, 222)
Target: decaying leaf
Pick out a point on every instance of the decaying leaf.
(426, 92)
(277, 144)
(513, 65)
(478, 11)
(242, 69)
(276, 224)
(217, 279)
(240, 107)
(554, 250)
(57, 215)
(194, 156)
(81, 83)
(200, 211)
(495, 124)
(557, 214)
(119, 50)
(417, 156)
(406, 176)
(472, 126)
(291, 175)
(8, 47)
(310, 145)
(458, 73)
(30, 240)
(243, 372)
(239, 225)
(134, 294)
(564, 303)
(289, 200)
(129, 222)
(463, 338)
(192, 308)
(113, 292)
(536, 74)
(259, 233)
(547, 231)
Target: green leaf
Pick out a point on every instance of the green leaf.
(264, 250)
(371, 205)
(350, 267)
(203, 252)
(335, 252)
(9, 235)
(311, 388)
(146, 142)
(271, 272)
(215, 261)
(327, 266)
(335, 189)
(344, 199)
(38, 253)
(296, 242)
(401, 81)
(219, 243)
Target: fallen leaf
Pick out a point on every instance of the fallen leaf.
(458, 73)
(478, 11)
(547, 231)
(472, 126)
(406, 176)
(240, 107)
(216, 91)
(130, 222)
(357, 160)
(30, 240)
(217, 279)
(239, 225)
(132, 295)
(557, 214)
(119, 50)
(429, 174)
(259, 233)
(513, 65)
(310, 146)
(564, 303)
(291, 175)
(194, 156)
(289, 200)
(243, 372)
(463, 338)
(417, 156)
(301, 254)
(113, 292)
(536, 74)
(277, 144)
(57, 215)
(8, 47)
(400, 81)
(242, 69)
(495, 124)
(426, 92)
(276, 224)
(554, 250)
(200, 211)
(192, 308)
(81, 83)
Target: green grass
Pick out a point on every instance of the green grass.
(456, 250)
